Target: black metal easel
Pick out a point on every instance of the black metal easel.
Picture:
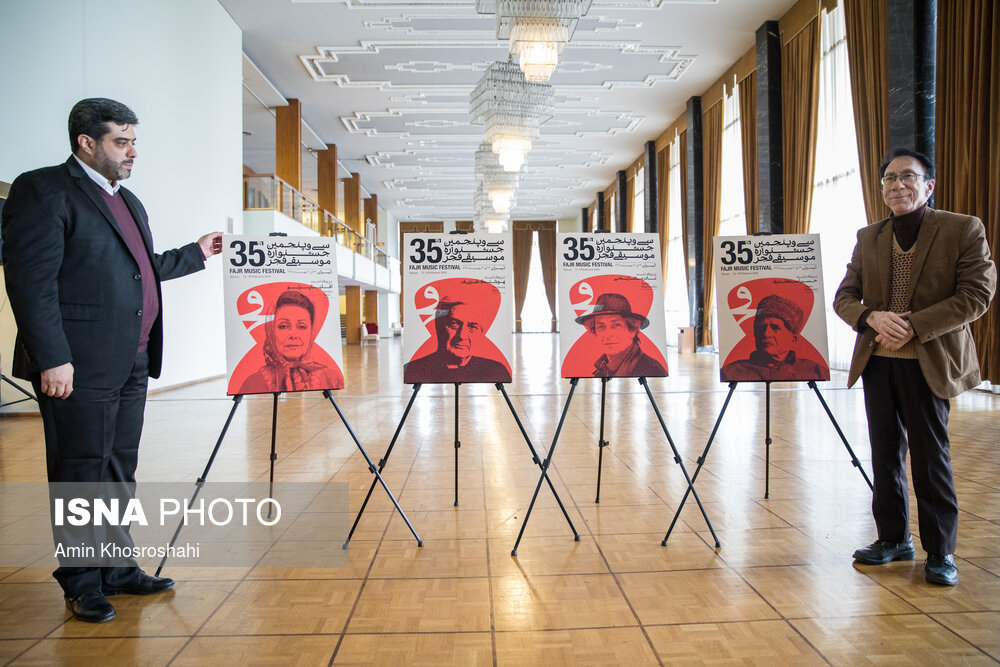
(237, 399)
(29, 396)
(767, 442)
(392, 443)
(555, 439)
(601, 442)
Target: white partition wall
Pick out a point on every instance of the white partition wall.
(178, 65)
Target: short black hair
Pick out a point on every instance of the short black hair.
(899, 151)
(92, 115)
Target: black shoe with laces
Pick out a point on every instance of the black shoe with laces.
(941, 570)
(881, 552)
(90, 607)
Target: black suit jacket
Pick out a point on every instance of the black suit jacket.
(74, 286)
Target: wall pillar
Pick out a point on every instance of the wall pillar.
(770, 210)
(326, 176)
(288, 144)
(695, 215)
(650, 193)
(352, 204)
(912, 69)
(371, 307)
(353, 294)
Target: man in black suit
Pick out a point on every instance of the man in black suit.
(84, 286)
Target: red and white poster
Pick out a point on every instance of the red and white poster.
(772, 320)
(610, 306)
(282, 314)
(457, 310)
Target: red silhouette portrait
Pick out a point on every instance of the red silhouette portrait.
(457, 313)
(612, 310)
(284, 319)
(771, 313)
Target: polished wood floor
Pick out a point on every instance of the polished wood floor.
(781, 589)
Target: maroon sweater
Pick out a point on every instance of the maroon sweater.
(133, 239)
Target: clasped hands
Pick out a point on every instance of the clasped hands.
(894, 329)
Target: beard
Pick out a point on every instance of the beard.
(108, 168)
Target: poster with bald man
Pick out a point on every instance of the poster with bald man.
(610, 306)
(282, 314)
(457, 308)
(772, 319)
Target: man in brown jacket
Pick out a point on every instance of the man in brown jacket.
(914, 284)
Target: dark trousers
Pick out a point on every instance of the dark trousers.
(93, 436)
(904, 414)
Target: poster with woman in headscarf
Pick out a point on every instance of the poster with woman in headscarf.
(282, 314)
(610, 306)
(772, 323)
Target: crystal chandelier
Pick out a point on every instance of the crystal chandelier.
(485, 217)
(500, 185)
(512, 109)
(537, 30)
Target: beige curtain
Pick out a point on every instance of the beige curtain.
(711, 136)
(663, 206)
(799, 104)
(867, 52)
(522, 266)
(547, 252)
(748, 136)
(968, 137)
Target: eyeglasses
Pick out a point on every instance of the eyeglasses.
(907, 177)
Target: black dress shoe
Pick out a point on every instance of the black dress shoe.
(140, 584)
(941, 570)
(881, 552)
(90, 607)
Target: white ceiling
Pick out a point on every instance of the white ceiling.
(389, 82)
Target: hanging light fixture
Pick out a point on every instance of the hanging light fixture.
(485, 217)
(500, 185)
(537, 30)
(512, 109)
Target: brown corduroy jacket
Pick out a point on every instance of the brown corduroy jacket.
(951, 286)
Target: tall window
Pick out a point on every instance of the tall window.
(676, 290)
(732, 207)
(638, 222)
(838, 209)
(612, 221)
(536, 317)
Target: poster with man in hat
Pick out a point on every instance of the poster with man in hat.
(611, 306)
(771, 316)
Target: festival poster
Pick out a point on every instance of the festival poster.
(610, 306)
(457, 308)
(282, 314)
(772, 320)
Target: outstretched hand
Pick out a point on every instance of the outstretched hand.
(211, 244)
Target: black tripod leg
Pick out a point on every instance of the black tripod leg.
(382, 462)
(767, 440)
(601, 442)
(21, 389)
(833, 420)
(701, 462)
(458, 443)
(371, 465)
(274, 457)
(204, 475)
(545, 466)
(538, 462)
(678, 460)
